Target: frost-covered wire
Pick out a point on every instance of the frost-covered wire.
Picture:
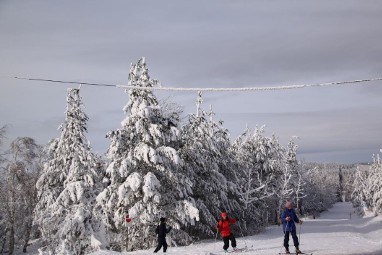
(209, 89)
(258, 88)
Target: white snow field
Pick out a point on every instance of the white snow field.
(333, 233)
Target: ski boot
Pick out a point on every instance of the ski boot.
(298, 251)
(287, 251)
(234, 249)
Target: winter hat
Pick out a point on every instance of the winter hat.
(224, 214)
(162, 219)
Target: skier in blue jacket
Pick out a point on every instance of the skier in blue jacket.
(289, 217)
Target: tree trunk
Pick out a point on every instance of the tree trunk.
(11, 244)
(4, 241)
(27, 236)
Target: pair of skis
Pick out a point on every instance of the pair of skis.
(283, 253)
(236, 250)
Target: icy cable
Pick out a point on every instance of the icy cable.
(258, 88)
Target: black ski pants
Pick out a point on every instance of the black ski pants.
(161, 242)
(226, 240)
(286, 239)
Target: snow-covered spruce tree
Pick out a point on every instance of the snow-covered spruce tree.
(2, 138)
(260, 160)
(66, 188)
(376, 187)
(144, 176)
(362, 193)
(227, 165)
(367, 194)
(3, 222)
(206, 153)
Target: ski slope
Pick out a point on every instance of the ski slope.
(333, 233)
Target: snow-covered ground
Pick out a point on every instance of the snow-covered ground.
(333, 233)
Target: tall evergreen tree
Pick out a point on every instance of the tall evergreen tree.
(144, 175)
(66, 188)
(2, 138)
(367, 194)
(206, 152)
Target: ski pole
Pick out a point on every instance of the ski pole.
(285, 230)
(216, 237)
(299, 234)
(242, 234)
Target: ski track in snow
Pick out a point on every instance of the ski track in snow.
(332, 233)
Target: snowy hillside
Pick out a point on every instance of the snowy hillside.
(333, 233)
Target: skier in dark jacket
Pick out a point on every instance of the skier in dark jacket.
(225, 230)
(161, 231)
(289, 218)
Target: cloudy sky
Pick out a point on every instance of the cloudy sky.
(216, 43)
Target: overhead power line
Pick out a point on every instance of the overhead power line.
(59, 81)
(210, 89)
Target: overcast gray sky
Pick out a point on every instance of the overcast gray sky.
(201, 44)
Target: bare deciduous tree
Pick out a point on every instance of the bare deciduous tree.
(18, 192)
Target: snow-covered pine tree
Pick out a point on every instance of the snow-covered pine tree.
(361, 196)
(367, 194)
(2, 138)
(375, 181)
(3, 221)
(227, 165)
(66, 188)
(206, 153)
(144, 176)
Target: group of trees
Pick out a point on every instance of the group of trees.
(20, 169)
(155, 167)
(367, 194)
(325, 184)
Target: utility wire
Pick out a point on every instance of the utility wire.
(59, 81)
(257, 88)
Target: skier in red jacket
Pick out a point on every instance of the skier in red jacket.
(225, 230)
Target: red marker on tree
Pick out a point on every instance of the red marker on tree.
(128, 220)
